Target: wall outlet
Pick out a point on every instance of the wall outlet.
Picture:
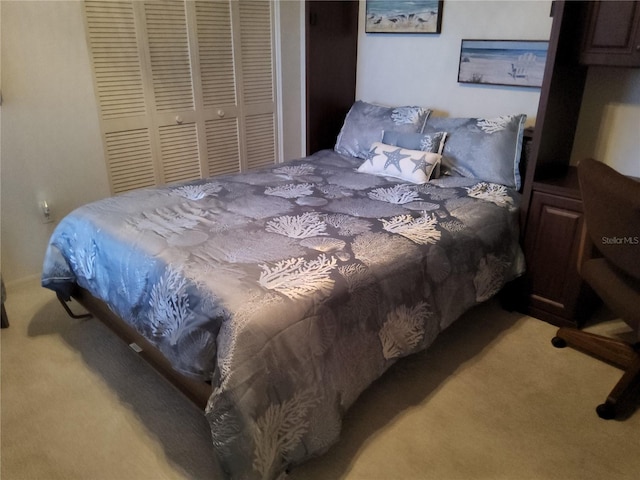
(45, 209)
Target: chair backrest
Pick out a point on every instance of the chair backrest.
(611, 204)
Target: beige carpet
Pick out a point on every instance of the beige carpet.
(492, 399)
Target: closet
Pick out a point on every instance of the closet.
(186, 89)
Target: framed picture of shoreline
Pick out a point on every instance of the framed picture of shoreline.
(517, 63)
(403, 16)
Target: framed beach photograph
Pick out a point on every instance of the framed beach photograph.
(403, 16)
(517, 63)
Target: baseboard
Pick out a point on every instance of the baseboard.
(22, 282)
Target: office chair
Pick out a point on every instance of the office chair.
(611, 204)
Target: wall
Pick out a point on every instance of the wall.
(423, 69)
(51, 146)
(401, 69)
(292, 91)
(0, 136)
(50, 131)
(609, 123)
(51, 140)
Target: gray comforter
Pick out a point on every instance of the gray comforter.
(290, 289)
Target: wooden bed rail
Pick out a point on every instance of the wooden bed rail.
(196, 391)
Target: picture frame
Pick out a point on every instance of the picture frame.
(403, 16)
(514, 63)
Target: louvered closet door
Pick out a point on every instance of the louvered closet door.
(169, 62)
(186, 89)
(126, 127)
(218, 86)
(257, 81)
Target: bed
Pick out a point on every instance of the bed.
(273, 298)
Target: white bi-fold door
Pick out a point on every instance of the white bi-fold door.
(186, 89)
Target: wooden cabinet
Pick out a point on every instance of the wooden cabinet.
(555, 243)
(552, 222)
(560, 100)
(612, 37)
(583, 33)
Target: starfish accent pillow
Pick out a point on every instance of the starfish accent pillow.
(412, 166)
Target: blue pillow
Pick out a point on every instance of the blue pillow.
(366, 122)
(485, 148)
(433, 143)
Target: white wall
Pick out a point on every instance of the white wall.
(51, 146)
(422, 69)
(292, 83)
(609, 122)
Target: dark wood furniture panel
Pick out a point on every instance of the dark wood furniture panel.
(555, 244)
(560, 99)
(613, 34)
(552, 225)
(4, 319)
(331, 48)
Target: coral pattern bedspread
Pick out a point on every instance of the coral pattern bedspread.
(292, 288)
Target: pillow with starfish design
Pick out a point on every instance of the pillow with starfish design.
(413, 166)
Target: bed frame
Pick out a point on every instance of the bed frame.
(197, 391)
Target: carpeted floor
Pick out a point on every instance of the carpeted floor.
(491, 399)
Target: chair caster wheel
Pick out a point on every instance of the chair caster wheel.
(606, 411)
(558, 342)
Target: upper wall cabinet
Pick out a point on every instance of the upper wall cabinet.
(613, 34)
